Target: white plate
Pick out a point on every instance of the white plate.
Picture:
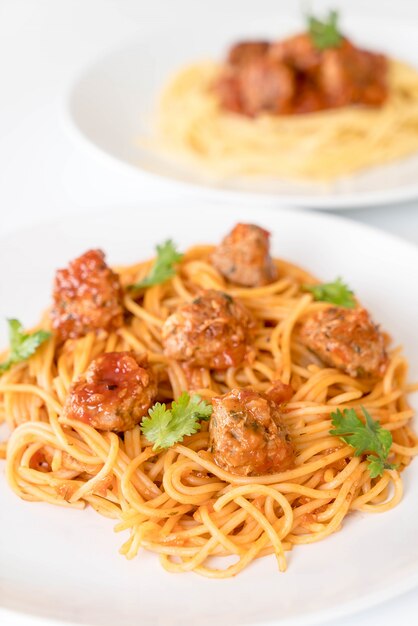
(64, 564)
(112, 104)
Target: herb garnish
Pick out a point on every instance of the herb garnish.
(336, 293)
(325, 34)
(22, 345)
(368, 437)
(163, 267)
(165, 427)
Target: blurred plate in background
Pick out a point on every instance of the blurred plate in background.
(112, 105)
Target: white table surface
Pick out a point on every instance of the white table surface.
(43, 174)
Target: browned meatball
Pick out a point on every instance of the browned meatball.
(243, 256)
(372, 77)
(348, 75)
(266, 86)
(346, 339)
(246, 434)
(87, 296)
(227, 90)
(114, 393)
(245, 51)
(227, 87)
(308, 98)
(213, 331)
(298, 51)
(279, 392)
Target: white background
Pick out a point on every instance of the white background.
(43, 174)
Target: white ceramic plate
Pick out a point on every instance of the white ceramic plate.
(64, 564)
(112, 104)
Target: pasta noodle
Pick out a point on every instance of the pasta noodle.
(178, 502)
(318, 146)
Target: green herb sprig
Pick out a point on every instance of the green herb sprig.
(364, 437)
(22, 345)
(165, 427)
(325, 34)
(163, 266)
(336, 293)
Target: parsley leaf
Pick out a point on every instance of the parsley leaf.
(162, 269)
(377, 466)
(22, 345)
(165, 427)
(367, 437)
(336, 293)
(325, 34)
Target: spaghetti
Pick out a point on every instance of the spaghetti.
(178, 502)
(320, 146)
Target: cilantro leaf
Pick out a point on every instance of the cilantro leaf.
(325, 34)
(364, 437)
(165, 427)
(376, 466)
(22, 345)
(163, 267)
(157, 424)
(336, 293)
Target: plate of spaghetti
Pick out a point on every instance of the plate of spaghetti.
(207, 388)
(317, 112)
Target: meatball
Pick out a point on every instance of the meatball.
(252, 83)
(308, 98)
(213, 331)
(346, 339)
(114, 393)
(372, 77)
(245, 51)
(246, 434)
(348, 75)
(227, 90)
(279, 392)
(243, 256)
(266, 86)
(87, 296)
(298, 52)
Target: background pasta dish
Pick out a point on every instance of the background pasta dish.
(312, 107)
(261, 362)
